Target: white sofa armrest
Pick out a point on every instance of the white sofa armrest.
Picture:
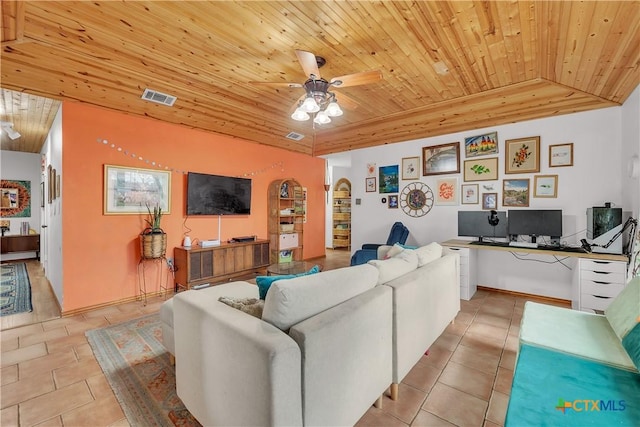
(233, 368)
(346, 358)
(425, 301)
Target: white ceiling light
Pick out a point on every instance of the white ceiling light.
(7, 127)
(319, 101)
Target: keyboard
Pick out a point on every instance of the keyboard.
(523, 244)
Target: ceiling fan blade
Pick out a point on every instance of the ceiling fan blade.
(357, 79)
(279, 84)
(309, 63)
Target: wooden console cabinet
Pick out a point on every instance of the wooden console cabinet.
(21, 243)
(218, 264)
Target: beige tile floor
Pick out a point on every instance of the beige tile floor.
(50, 377)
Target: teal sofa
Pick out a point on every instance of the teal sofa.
(578, 369)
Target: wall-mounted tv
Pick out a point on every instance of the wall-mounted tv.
(218, 195)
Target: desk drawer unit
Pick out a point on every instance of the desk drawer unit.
(600, 282)
(468, 284)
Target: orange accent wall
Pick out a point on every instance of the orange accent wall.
(101, 252)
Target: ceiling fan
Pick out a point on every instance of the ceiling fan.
(7, 127)
(318, 99)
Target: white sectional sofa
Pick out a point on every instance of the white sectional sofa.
(328, 345)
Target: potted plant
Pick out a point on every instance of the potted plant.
(153, 240)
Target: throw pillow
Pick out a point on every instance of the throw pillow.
(395, 250)
(392, 268)
(428, 253)
(265, 282)
(252, 306)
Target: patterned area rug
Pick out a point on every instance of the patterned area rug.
(137, 367)
(15, 289)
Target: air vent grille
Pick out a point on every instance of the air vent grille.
(295, 136)
(158, 97)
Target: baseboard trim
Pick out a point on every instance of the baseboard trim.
(112, 303)
(556, 301)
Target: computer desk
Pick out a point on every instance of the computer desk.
(595, 281)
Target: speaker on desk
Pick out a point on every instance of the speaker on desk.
(493, 218)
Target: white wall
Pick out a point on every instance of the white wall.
(15, 165)
(52, 217)
(631, 152)
(594, 179)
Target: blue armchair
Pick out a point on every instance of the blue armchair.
(369, 251)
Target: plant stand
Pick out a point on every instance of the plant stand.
(153, 248)
(163, 285)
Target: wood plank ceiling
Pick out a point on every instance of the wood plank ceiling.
(503, 62)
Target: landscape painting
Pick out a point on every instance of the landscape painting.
(515, 192)
(389, 182)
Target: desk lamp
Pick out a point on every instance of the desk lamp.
(631, 222)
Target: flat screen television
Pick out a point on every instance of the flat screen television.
(479, 224)
(536, 222)
(218, 195)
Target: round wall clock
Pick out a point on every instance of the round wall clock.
(416, 199)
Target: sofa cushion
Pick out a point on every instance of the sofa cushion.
(264, 282)
(389, 269)
(623, 314)
(252, 306)
(580, 334)
(428, 253)
(290, 301)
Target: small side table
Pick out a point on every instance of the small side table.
(294, 267)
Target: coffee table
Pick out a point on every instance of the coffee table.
(294, 267)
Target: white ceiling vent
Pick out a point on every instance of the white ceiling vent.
(295, 136)
(158, 97)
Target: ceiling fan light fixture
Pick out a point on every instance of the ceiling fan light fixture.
(7, 127)
(300, 115)
(322, 118)
(333, 109)
(310, 105)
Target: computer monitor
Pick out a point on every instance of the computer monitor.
(536, 222)
(480, 224)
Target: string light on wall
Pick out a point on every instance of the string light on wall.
(106, 143)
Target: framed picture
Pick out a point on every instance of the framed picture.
(441, 159)
(371, 169)
(15, 198)
(522, 155)
(370, 184)
(469, 194)
(447, 191)
(42, 194)
(480, 145)
(410, 167)
(130, 190)
(393, 201)
(561, 155)
(489, 200)
(545, 186)
(515, 192)
(481, 169)
(49, 184)
(389, 182)
(57, 186)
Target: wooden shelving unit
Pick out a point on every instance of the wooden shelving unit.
(286, 202)
(342, 214)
